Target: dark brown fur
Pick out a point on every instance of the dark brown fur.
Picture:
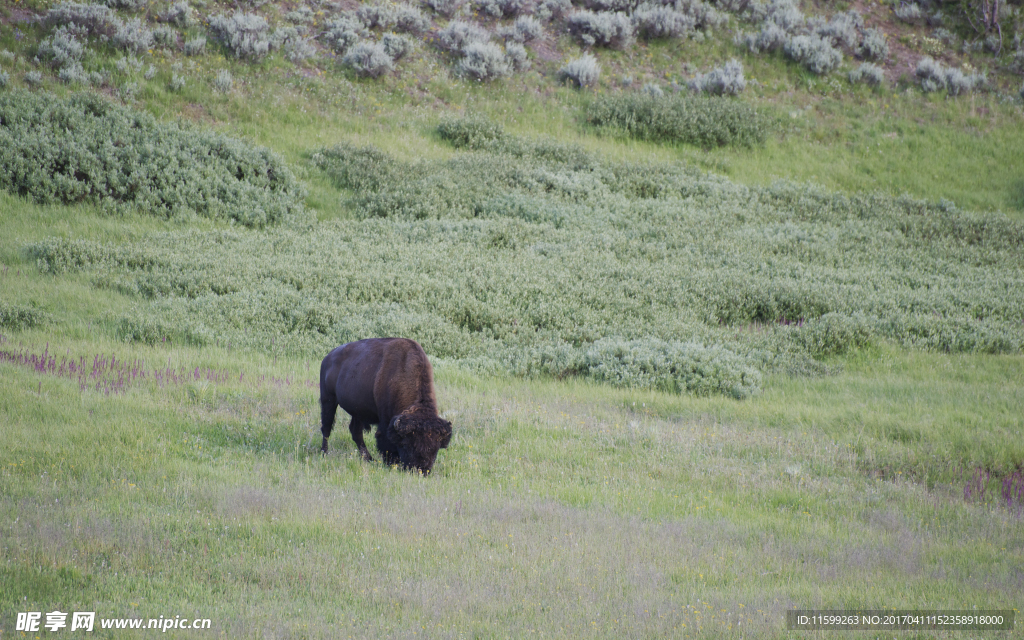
(388, 382)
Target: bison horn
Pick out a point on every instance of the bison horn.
(401, 427)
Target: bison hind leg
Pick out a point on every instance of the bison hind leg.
(328, 409)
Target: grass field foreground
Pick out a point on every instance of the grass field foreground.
(560, 510)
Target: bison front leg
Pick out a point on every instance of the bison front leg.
(356, 428)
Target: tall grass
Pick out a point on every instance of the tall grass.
(560, 509)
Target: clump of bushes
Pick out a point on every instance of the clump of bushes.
(245, 35)
(223, 81)
(549, 10)
(815, 53)
(725, 80)
(195, 46)
(910, 13)
(873, 46)
(369, 59)
(96, 19)
(86, 149)
(704, 121)
(580, 72)
(458, 34)
(180, 14)
(868, 73)
(842, 28)
(484, 61)
(525, 29)
(396, 46)
(654, 21)
(447, 8)
(343, 32)
(612, 30)
(18, 318)
(610, 272)
(673, 367)
(133, 35)
(501, 8)
(935, 76)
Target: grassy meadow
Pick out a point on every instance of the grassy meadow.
(691, 387)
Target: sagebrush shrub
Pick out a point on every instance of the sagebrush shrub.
(652, 89)
(484, 61)
(245, 35)
(525, 29)
(301, 14)
(180, 14)
(873, 46)
(299, 49)
(705, 15)
(725, 80)
(130, 5)
(396, 46)
(61, 48)
(843, 28)
(33, 78)
(342, 33)
(935, 76)
(223, 81)
(195, 46)
(815, 53)
(868, 73)
(376, 16)
(662, 22)
(612, 30)
(133, 35)
(447, 8)
(516, 55)
(771, 37)
(73, 74)
(458, 34)
(165, 36)
(369, 60)
(704, 121)
(785, 14)
(549, 10)
(5, 78)
(97, 19)
(409, 19)
(909, 13)
(581, 72)
(86, 149)
(501, 8)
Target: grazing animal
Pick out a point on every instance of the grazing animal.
(388, 382)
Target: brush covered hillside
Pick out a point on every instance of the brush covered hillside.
(724, 300)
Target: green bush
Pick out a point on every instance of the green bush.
(535, 258)
(704, 121)
(17, 317)
(86, 149)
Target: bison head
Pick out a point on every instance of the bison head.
(419, 438)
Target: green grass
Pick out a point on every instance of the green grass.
(560, 509)
(563, 508)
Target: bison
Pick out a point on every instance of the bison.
(388, 382)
